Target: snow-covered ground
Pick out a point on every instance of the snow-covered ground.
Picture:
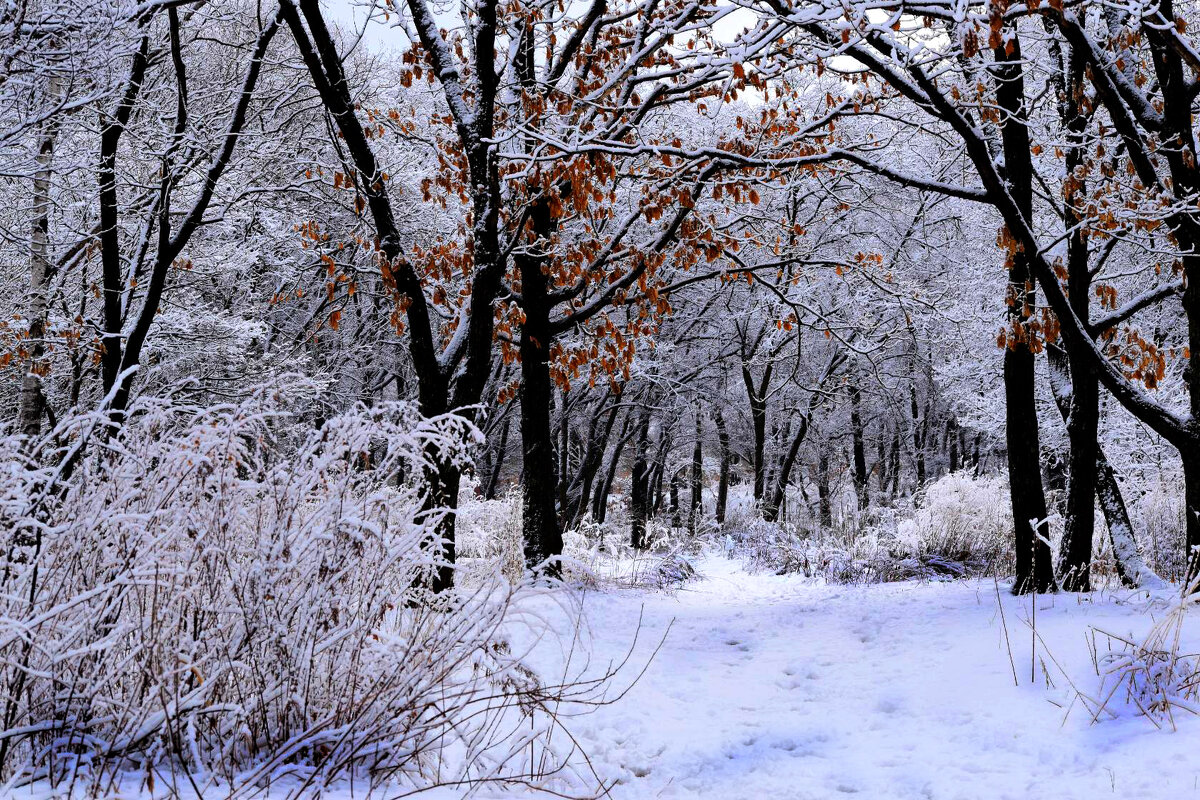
(788, 688)
(780, 687)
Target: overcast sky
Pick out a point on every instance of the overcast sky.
(351, 14)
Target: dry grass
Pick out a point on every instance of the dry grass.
(224, 598)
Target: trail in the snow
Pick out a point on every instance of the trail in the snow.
(776, 687)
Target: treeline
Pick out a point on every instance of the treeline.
(653, 249)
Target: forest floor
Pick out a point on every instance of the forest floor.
(784, 687)
(768, 687)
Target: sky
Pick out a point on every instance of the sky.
(351, 15)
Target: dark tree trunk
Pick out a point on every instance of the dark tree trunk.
(676, 480)
(775, 501)
(493, 479)
(697, 475)
(758, 420)
(782, 476)
(639, 491)
(952, 444)
(443, 480)
(861, 487)
(112, 128)
(658, 474)
(894, 458)
(599, 432)
(1191, 496)
(543, 537)
(1083, 422)
(604, 487)
(723, 479)
(918, 429)
(1082, 412)
(882, 466)
(1034, 571)
(439, 391)
(824, 502)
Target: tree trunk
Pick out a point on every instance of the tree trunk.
(604, 487)
(658, 473)
(599, 433)
(758, 419)
(1083, 422)
(882, 465)
(952, 444)
(539, 516)
(894, 458)
(493, 480)
(1082, 412)
(697, 475)
(861, 487)
(1131, 567)
(1034, 571)
(918, 436)
(41, 273)
(438, 390)
(824, 501)
(1191, 495)
(443, 479)
(676, 479)
(723, 479)
(783, 476)
(639, 490)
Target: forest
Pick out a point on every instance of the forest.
(599, 398)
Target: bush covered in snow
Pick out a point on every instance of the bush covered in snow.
(488, 535)
(1159, 518)
(596, 553)
(960, 519)
(961, 525)
(229, 593)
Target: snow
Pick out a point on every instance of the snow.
(768, 686)
(783, 687)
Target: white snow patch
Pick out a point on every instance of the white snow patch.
(784, 687)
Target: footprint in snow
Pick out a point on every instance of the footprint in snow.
(887, 706)
(786, 745)
(807, 671)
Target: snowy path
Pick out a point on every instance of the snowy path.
(774, 687)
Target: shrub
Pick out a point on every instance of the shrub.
(488, 535)
(227, 593)
(961, 526)
(1159, 515)
(962, 523)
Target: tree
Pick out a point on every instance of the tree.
(1134, 121)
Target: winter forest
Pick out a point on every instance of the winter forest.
(599, 398)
